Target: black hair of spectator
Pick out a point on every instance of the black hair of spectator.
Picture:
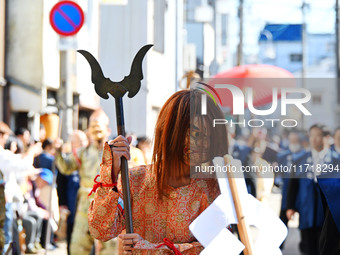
(336, 130)
(142, 139)
(46, 143)
(325, 130)
(20, 131)
(9, 141)
(4, 129)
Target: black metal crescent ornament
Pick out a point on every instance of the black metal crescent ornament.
(131, 84)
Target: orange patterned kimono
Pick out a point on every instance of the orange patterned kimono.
(153, 219)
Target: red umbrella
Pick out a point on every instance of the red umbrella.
(258, 79)
(255, 71)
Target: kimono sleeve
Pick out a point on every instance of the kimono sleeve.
(106, 212)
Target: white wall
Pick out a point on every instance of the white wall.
(2, 52)
(122, 34)
(34, 56)
(320, 46)
(24, 41)
(87, 39)
(282, 54)
(123, 31)
(1, 104)
(49, 50)
(324, 113)
(161, 73)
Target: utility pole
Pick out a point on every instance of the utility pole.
(337, 57)
(304, 52)
(240, 44)
(337, 49)
(2, 55)
(304, 42)
(217, 39)
(66, 95)
(240, 52)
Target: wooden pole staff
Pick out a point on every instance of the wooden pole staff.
(243, 228)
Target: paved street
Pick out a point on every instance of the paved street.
(293, 238)
(291, 245)
(61, 250)
(292, 241)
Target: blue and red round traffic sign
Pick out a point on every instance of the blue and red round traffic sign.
(66, 18)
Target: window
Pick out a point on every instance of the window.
(330, 46)
(224, 28)
(317, 99)
(295, 57)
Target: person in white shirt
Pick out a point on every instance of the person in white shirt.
(11, 166)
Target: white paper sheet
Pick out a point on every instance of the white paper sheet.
(210, 227)
(211, 221)
(224, 243)
(272, 231)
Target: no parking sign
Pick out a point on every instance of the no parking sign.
(66, 18)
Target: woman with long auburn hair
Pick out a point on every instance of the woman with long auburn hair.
(166, 198)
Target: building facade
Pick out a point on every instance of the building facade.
(281, 45)
(124, 29)
(41, 67)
